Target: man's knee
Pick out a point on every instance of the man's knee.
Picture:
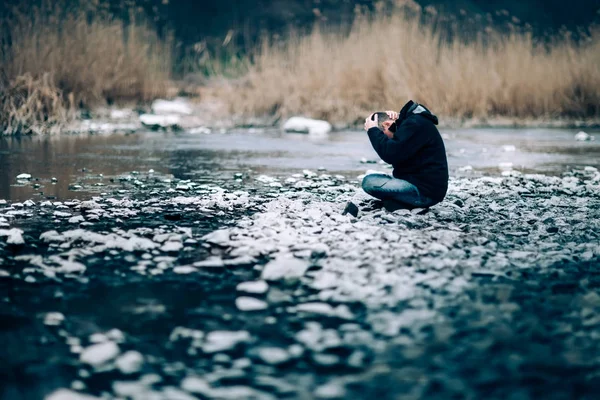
(372, 182)
(368, 183)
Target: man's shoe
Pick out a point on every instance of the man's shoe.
(351, 209)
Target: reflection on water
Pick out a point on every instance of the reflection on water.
(95, 159)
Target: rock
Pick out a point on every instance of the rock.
(13, 236)
(67, 394)
(219, 341)
(219, 238)
(160, 122)
(582, 136)
(211, 262)
(195, 384)
(273, 355)
(256, 287)
(54, 319)
(185, 269)
(168, 107)
(171, 247)
(244, 303)
(351, 209)
(200, 130)
(130, 362)
(284, 267)
(100, 353)
(307, 125)
(24, 177)
(330, 390)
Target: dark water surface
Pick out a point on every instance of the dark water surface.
(72, 159)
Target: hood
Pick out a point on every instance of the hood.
(412, 108)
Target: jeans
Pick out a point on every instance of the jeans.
(399, 191)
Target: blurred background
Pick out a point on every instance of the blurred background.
(466, 59)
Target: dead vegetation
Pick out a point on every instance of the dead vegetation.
(56, 60)
(387, 60)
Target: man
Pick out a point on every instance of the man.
(411, 143)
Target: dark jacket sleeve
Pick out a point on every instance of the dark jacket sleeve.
(407, 141)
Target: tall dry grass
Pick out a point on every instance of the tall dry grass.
(383, 62)
(55, 60)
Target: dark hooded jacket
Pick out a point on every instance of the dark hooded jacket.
(416, 152)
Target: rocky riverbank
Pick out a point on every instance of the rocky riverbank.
(134, 294)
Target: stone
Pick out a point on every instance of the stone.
(255, 287)
(99, 354)
(284, 267)
(307, 125)
(167, 107)
(211, 262)
(67, 394)
(172, 247)
(185, 269)
(245, 303)
(273, 355)
(582, 136)
(218, 341)
(160, 122)
(330, 390)
(130, 362)
(13, 236)
(54, 319)
(218, 238)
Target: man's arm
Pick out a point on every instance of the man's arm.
(406, 143)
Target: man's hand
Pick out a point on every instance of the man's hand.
(371, 123)
(392, 114)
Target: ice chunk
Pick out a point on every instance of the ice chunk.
(157, 122)
(582, 136)
(177, 106)
(307, 125)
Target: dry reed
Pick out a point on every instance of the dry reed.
(56, 59)
(384, 62)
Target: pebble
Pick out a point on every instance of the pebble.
(330, 391)
(211, 262)
(219, 238)
(99, 354)
(273, 355)
(185, 269)
(255, 287)
(54, 319)
(284, 268)
(244, 303)
(67, 394)
(219, 341)
(130, 362)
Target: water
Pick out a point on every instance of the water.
(207, 157)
